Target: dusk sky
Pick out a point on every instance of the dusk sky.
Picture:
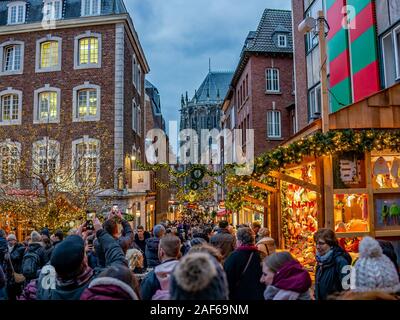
(179, 37)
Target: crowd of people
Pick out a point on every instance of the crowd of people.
(185, 260)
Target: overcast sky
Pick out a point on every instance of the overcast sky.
(179, 36)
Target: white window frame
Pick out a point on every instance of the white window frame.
(16, 4)
(313, 109)
(8, 142)
(134, 116)
(39, 42)
(139, 77)
(134, 70)
(86, 140)
(273, 90)
(92, 12)
(134, 154)
(280, 37)
(46, 88)
(87, 34)
(139, 122)
(271, 123)
(2, 60)
(52, 15)
(75, 115)
(19, 94)
(49, 144)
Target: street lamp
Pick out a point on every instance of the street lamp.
(318, 25)
(308, 25)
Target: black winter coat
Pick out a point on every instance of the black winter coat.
(141, 244)
(40, 251)
(124, 241)
(16, 255)
(245, 286)
(328, 276)
(151, 252)
(3, 249)
(2, 279)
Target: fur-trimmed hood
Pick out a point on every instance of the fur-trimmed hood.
(107, 288)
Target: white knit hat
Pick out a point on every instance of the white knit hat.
(373, 270)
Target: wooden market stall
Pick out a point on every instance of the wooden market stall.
(354, 193)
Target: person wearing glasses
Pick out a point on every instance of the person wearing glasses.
(331, 260)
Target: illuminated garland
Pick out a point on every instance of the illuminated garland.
(319, 144)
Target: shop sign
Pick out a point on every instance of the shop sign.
(140, 181)
(349, 170)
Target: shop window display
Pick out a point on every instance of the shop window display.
(299, 216)
(351, 212)
(386, 171)
(349, 171)
(387, 208)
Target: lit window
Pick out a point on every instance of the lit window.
(87, 103)
(16, 12)
(272, 76)
(47, 105)
(88, 51)
(49, 54)
(274, 124)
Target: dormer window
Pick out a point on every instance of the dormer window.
(52, 9)
(90, 7)
(282, 41)
(16, 12)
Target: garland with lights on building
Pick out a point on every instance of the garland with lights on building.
(186, 193)
(318, 144)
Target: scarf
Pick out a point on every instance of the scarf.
(78, 281)
(292, 277)
(323, 259)
(247, 248)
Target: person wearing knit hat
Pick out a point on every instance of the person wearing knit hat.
(373, 270)
(198, 276)
(68, 274)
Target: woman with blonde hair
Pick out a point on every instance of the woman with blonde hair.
(135, 260)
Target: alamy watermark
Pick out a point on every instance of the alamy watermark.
(204, 146)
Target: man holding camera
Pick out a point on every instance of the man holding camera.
(125, 239)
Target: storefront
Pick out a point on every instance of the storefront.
(353, 187)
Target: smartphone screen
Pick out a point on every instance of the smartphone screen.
(115, 208)
(90, 216)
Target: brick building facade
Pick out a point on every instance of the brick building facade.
(261, 95)
(80, 82)
(361, 56)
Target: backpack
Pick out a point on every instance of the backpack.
(30, 265)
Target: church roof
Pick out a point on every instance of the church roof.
(214, 87)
